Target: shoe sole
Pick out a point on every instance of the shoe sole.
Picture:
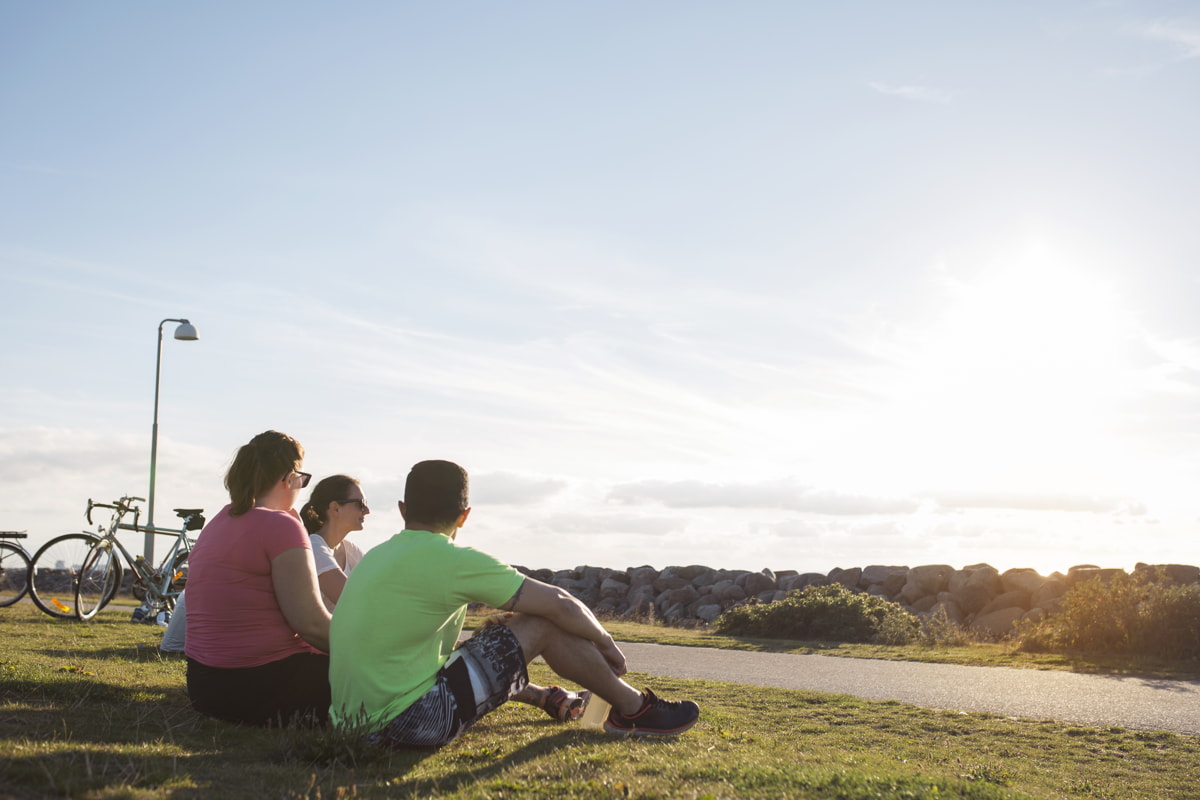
(616, 731)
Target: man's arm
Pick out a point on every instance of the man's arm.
(558, 606)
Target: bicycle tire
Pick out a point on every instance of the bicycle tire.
(51, 586)
(98, 580)
(14, 573)
(178, 580)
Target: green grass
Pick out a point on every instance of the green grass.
(93, 711)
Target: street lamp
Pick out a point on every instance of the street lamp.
(185, 332)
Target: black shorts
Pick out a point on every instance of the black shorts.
(292, 690)
(481, 675)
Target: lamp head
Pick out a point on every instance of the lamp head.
(186, 331)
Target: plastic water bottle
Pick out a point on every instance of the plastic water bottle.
(595, 713)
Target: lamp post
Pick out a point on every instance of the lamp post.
(185, 332)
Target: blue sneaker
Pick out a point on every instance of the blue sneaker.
(139, 614)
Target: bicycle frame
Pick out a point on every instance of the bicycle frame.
(159, 580)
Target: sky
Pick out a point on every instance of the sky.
(751, 285)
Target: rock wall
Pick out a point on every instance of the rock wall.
(978, 596)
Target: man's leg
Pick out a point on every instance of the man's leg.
(561, 704)
(575, 659)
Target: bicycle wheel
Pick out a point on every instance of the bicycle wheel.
(54, 571)
(14, 573)
(98, 580)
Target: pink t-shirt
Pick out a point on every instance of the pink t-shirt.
(233, 619)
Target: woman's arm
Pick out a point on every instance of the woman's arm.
(332, 581)
(294, 578)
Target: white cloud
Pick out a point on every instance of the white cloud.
(923, 94)
(506, 488)
(1041, 501)
(1186, 37)
(601, 524)
(785, 494)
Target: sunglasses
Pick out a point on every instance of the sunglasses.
(305, 477)
(362, 504)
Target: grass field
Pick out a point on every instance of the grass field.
(93, 711)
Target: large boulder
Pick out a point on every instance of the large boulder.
(639, 601)
(999, 622)
(615, 585)
(759, 582)
(883, 580)
(1048, 596)
(684, 595)
(846, 577)
(672, 578)
(974, 587)
(1024, 579)
(925, 580)
(802, 581)
(728, 592)
(949, 606)
(1087, 572)
(1018, 598)
(1176, 573)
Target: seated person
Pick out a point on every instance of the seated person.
(395, 672)
(258, 632)
(335, 508)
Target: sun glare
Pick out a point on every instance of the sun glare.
(1017, 377)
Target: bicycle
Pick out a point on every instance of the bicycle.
(14, 568)
(100, 574)
(57, 567)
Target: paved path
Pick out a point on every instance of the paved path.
(1141, 703)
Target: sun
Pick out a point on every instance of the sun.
(1018, 376)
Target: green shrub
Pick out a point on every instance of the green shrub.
(1126, 615)
(938, 630)
(826, 613)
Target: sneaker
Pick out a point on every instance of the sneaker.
(139, 614)
(656, 718)
(162, 618)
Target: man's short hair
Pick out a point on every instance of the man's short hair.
(436, 492)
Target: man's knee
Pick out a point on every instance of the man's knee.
(535, 633)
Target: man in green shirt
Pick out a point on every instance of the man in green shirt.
(394, 669)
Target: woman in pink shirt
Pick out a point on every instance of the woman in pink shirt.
(257, 630)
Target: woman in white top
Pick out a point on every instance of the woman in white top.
(335, 509)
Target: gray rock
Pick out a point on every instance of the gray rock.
(1025, 579)
(846, 577)
(1017, 598)
(890, 579)
(999, 622)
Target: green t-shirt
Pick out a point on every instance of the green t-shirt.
(399, 618)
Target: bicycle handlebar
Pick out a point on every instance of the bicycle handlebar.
(124, 506)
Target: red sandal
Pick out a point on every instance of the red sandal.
(564, 706)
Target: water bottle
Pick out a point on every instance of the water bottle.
(596, 713)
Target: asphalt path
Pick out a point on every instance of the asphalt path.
(1095, 700)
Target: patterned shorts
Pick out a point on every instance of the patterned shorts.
(481, 675)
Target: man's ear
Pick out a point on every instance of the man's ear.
(462, 518)
(403, 512)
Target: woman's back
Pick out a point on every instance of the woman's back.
(234, 619)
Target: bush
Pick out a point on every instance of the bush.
(1124, 615)
(826, 613)
(938, 630)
